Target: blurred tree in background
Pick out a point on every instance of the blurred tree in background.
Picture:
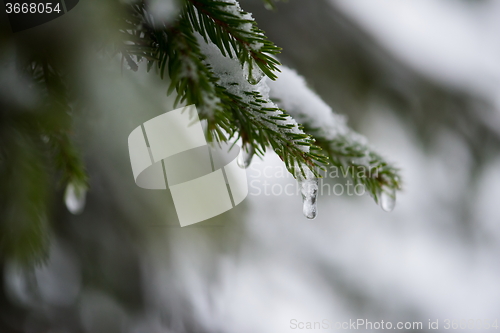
(72, 90)
(234, 102)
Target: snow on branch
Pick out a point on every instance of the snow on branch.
(260, 122)
(217, 58)
(345, 148)
(235, 33)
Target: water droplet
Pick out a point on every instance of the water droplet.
(74, 197)
(309, 190)
(268, 6)
(253, 74)
(387, 199)
(245, 156)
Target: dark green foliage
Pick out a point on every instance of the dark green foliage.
(35, 148)
(175, 50)
(377, 175)
(236, 35)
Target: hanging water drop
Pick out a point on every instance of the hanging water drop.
(74, 198)
(245, 156)
(309, 190)
(387, 199)
(253, 73)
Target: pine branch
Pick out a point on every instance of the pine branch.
(24, 197)
(56, 127)
(345, 149)
(241, 111)
(363, 165)
(35, 145)
(234, 31)
(174, 51)
(259, 121)
(204, 72)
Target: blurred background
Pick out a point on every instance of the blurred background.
(418, 78)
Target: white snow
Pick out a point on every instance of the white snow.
(293, 95)
(236, 10)
(305, 106)
(231, 76)
(162, 11)
(454, 43)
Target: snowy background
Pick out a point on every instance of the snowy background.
(419, 78)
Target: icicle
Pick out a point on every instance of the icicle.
(387, 199)
(253, 74)
(74, 197)
(309, 190)
(245, 156)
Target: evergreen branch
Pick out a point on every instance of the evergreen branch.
(344, 148)
(234, 31)
(229, 110)
(203, 72)
(34, 145)
(263, 127)
(56, 126)
(175, 51)
(24, 196)
(363, 165)
(259, 121)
